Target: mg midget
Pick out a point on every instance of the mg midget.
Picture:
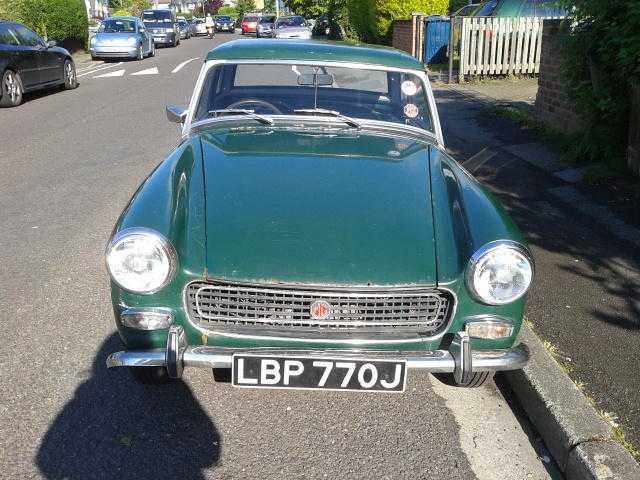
(310, 231)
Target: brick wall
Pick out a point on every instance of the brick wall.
(403, 35)
(552, 105)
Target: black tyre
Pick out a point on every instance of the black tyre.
(150, 375)
(140, 53)
(152, 52)
(69, 75)
(11, 89)
(477, 380)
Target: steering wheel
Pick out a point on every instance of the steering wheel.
(255, 102)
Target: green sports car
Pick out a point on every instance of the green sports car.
(310, 231)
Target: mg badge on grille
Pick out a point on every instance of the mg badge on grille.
(320, 310)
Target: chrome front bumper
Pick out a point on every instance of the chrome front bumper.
(459, 359)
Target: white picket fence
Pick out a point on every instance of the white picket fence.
(500, 45)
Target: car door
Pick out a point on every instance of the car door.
(24, 58)
(142, 33)
(8, 48)
(50, 61)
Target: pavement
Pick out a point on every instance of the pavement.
(70, 162)
(584, 300)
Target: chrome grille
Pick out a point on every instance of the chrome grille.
(212, 305)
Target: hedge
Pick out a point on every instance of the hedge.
(372, 19)
(53, 19)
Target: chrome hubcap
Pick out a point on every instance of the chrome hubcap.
(11, 87)
(70, 74)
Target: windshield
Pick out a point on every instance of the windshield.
(250, 19)
(281, 89)
(266, 20)
(156, 17)
(290, 22)
(113, 26)
(224, 19)
(183, 23)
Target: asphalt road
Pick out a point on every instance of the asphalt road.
(70, 162)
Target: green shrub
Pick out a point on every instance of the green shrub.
(601, 65)
(372, 19)
(54, 19)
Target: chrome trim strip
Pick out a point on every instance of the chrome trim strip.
(437, 361)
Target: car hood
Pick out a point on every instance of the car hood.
(114, 38)
(292, 30)
(293, 206)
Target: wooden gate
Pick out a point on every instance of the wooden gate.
(500, 45)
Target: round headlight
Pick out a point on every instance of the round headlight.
(500, 272)
(141, 260)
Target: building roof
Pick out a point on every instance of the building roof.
(310, 50)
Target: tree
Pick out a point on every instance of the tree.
(212, 6)
(130, 7)
(308, 8)
(227, 10)
(269, 6)
(245, 6)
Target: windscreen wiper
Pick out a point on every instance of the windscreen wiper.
(241, 111)
(331, 113)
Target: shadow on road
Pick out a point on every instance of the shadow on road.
(116, 428)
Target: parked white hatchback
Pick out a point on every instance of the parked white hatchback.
(291, 27)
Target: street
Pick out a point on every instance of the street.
(71, 160)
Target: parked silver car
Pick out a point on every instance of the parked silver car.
(198, 27)
(291, 27)
(264, 28)
(121, 37)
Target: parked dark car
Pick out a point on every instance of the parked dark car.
(321, 26)
(27, 63)
(163, 26)
(224, 23)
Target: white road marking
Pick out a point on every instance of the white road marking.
(86, 68)
(179, 67)
(148, 71)
(117, 73)
(98, 69)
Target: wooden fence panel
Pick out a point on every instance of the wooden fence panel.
(500, 45)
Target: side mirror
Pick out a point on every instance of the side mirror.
(51, 43)
(176, 114)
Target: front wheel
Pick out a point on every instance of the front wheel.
(140, 54)
(478, 379)
(152, 50)
(11, 89)
(150, 375)
(70, 77)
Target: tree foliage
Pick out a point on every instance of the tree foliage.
(269, 6)
(54, 19)
(602, 62)
(308, 8)
(245, 6)
(372, 19)
(227, 10)
(129, 7)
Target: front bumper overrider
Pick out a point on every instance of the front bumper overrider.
(459, 359)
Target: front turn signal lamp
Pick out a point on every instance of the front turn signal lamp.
(489, 328)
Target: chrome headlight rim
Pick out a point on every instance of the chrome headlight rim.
(166, 246)
(485, 250)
